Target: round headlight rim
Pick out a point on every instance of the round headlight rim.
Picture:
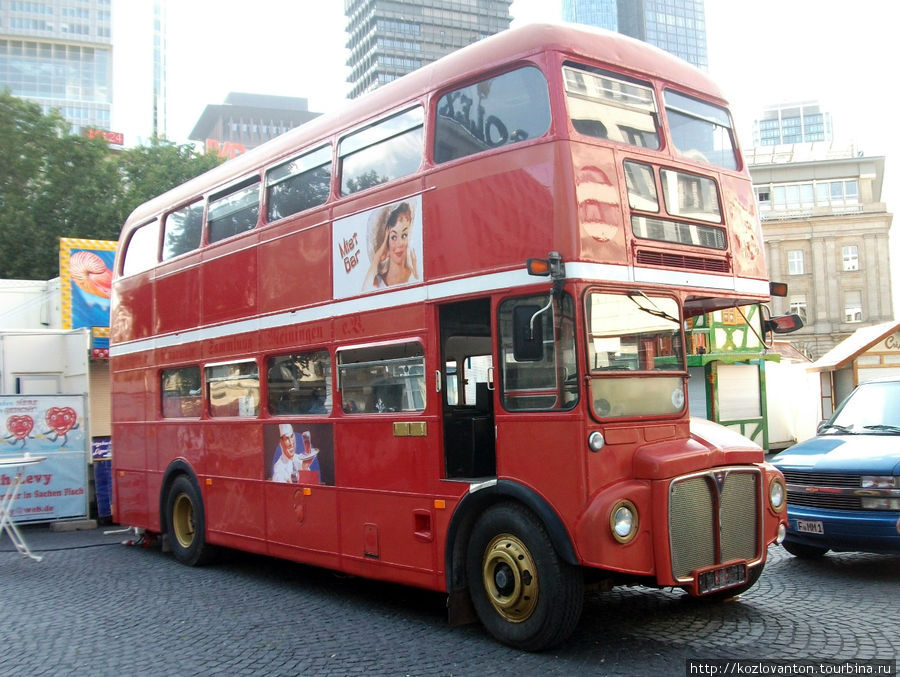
(635, 521)
(779, 482)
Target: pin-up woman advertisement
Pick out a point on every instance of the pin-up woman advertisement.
(378, 249)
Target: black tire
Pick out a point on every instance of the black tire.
(186, 524)
(804, 551)
(752, 576)
(523, 593)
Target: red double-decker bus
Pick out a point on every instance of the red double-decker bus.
(439, 338)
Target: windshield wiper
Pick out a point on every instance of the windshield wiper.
(883, 427)
(840, 428)
(656, 311)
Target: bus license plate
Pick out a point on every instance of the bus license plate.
(810, 527)
(721, 578)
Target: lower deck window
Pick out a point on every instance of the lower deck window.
(299, 383)
(181, 394)
(381, 379)
(233, 389)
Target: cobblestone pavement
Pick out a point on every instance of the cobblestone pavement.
(96, 607)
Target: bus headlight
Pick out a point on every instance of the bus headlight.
(777, 494)
(623, 521)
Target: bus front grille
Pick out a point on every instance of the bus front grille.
(714, 517)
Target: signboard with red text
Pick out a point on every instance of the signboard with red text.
(53, 426)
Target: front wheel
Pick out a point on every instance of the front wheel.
(523, 593)
(186, 524)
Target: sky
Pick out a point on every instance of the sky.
(760, 52)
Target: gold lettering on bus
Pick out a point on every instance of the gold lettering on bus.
(298, 336)
(232, 344)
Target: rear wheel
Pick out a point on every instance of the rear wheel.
(523, 593)
(804, 551)
(186, 524)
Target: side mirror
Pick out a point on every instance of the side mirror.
(528, 336)
(782, 324)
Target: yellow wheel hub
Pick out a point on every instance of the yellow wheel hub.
(510, 578)
(183, 520)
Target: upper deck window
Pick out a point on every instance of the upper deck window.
(234, 211)
(700, 131)
(299, 184)
(183, 229)
(140, 253)
(610, 107)
(491, 113)
(383, 152)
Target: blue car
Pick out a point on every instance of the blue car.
(843, 485)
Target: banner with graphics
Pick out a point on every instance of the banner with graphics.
(378, 248)
(52, 426)
(85, 271)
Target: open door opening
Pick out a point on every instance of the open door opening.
(468, 389)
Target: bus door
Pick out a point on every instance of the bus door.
(467, 389)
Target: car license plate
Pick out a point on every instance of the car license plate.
(720, 578)
(810, 527)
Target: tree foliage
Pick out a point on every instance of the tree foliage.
(56, 184)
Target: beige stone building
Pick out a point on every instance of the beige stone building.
(826, 231)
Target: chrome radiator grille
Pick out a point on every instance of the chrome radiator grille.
(714, 518)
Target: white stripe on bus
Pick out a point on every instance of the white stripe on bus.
(464, 286)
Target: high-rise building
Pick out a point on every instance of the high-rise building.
(796, 122)
(677, 26)
(58, 54)
(159, 68)
(245, 121)
(390, 38)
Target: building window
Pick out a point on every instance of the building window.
(850, 258)
(798, 307)
(795, 262)
(853, 306)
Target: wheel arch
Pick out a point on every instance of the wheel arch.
(463, 520)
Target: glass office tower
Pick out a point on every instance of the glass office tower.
(677, 26)
(59, 55)
(390, 38)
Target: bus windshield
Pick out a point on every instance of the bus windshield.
(628, 333)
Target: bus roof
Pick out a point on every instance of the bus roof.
(626, 53)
